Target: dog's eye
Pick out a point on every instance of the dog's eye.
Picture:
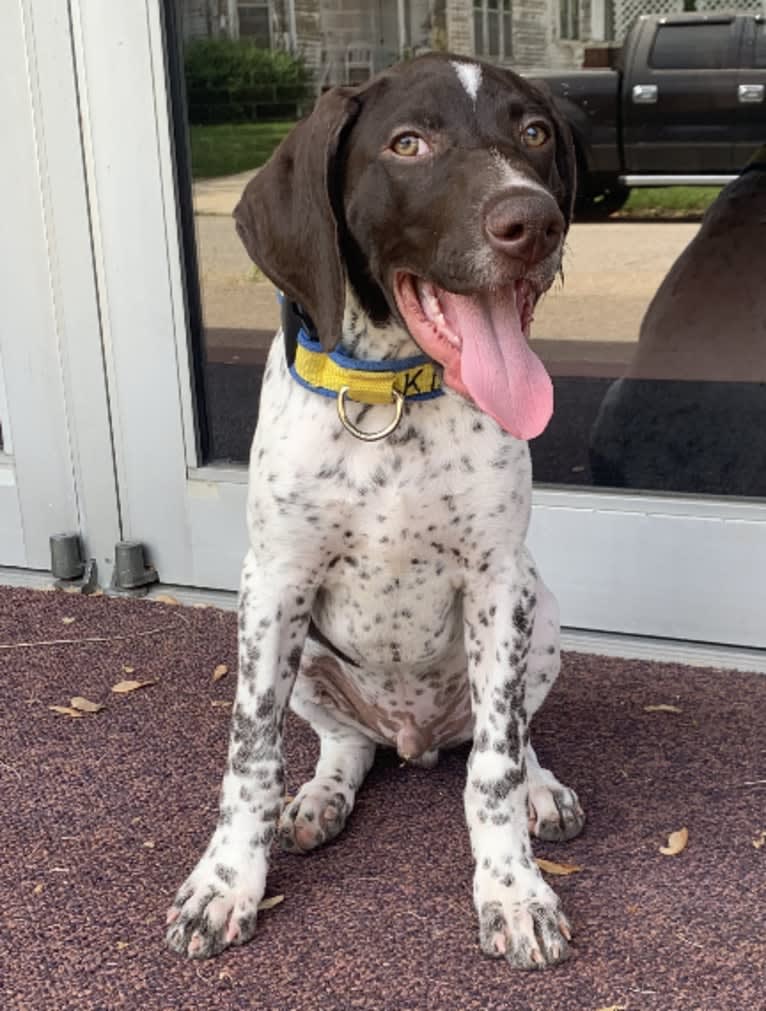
(535, 135)
(409, 145)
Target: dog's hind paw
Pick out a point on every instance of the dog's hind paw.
(555, 814)
(314, 817)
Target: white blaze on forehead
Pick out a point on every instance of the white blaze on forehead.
(470, 77)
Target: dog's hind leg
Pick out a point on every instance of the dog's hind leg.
(555, 813)
(319, 811)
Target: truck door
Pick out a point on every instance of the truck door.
(751, 92)
(680, 101)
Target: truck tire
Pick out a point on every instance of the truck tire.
(597, 205)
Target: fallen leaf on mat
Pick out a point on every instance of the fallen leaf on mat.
(123, 687)
(85, 705)
(221, 671)
(121, 945)
(67, 621)
(760, 841)
(614, 1007)
(560, 870)
(270, 903)
(38, 889)
(662, 709)
(149, 844)
(127, 669)
(65, 711)
(164, 598)
(677, 842)
(221, 704)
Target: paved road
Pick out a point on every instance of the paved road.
(611, 271)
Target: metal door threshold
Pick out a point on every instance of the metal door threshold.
(637, 647)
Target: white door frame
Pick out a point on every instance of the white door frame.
(184, 517)
(652, 565)
(58, 476)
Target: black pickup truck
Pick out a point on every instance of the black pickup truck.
(682, 103)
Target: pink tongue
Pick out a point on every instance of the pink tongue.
(502, 374)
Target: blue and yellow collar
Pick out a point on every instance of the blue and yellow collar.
(336, 375)
(415, 378)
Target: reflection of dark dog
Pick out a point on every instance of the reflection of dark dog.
(387, 594)
(691, 413)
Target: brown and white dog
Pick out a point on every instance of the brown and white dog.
(388, 596)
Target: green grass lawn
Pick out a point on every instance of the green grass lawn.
(669, 201)
(226, 148)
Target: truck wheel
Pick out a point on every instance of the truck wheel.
(597, 206)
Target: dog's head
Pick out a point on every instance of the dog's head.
(441, 191)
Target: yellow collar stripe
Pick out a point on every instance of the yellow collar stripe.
(367, 382)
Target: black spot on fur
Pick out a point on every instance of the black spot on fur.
(226, 874)
(520, 619)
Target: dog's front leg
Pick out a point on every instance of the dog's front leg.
(218, 903)
(520, 917)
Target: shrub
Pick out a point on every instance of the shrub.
(233, 81)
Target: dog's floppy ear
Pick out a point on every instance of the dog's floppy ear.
(286, 217)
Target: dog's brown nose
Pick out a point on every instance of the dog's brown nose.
(525, 224)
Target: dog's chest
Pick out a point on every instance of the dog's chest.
(391, 606)
(390, 597)
(394, 529)
(392, 526)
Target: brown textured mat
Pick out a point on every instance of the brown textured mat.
(103, 816)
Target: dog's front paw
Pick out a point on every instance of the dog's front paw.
(530, 933)
(216, 906)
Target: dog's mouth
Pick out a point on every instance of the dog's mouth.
(482, 341)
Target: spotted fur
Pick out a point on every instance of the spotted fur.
(389, 598)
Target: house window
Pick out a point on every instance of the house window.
(492, 30)
(255, 22)
(569, 14)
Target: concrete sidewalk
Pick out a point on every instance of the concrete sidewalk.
(220, 196)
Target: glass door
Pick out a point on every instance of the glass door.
(649, 517)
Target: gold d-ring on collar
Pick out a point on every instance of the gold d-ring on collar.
(396, 398)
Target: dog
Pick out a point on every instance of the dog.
(411, 225)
